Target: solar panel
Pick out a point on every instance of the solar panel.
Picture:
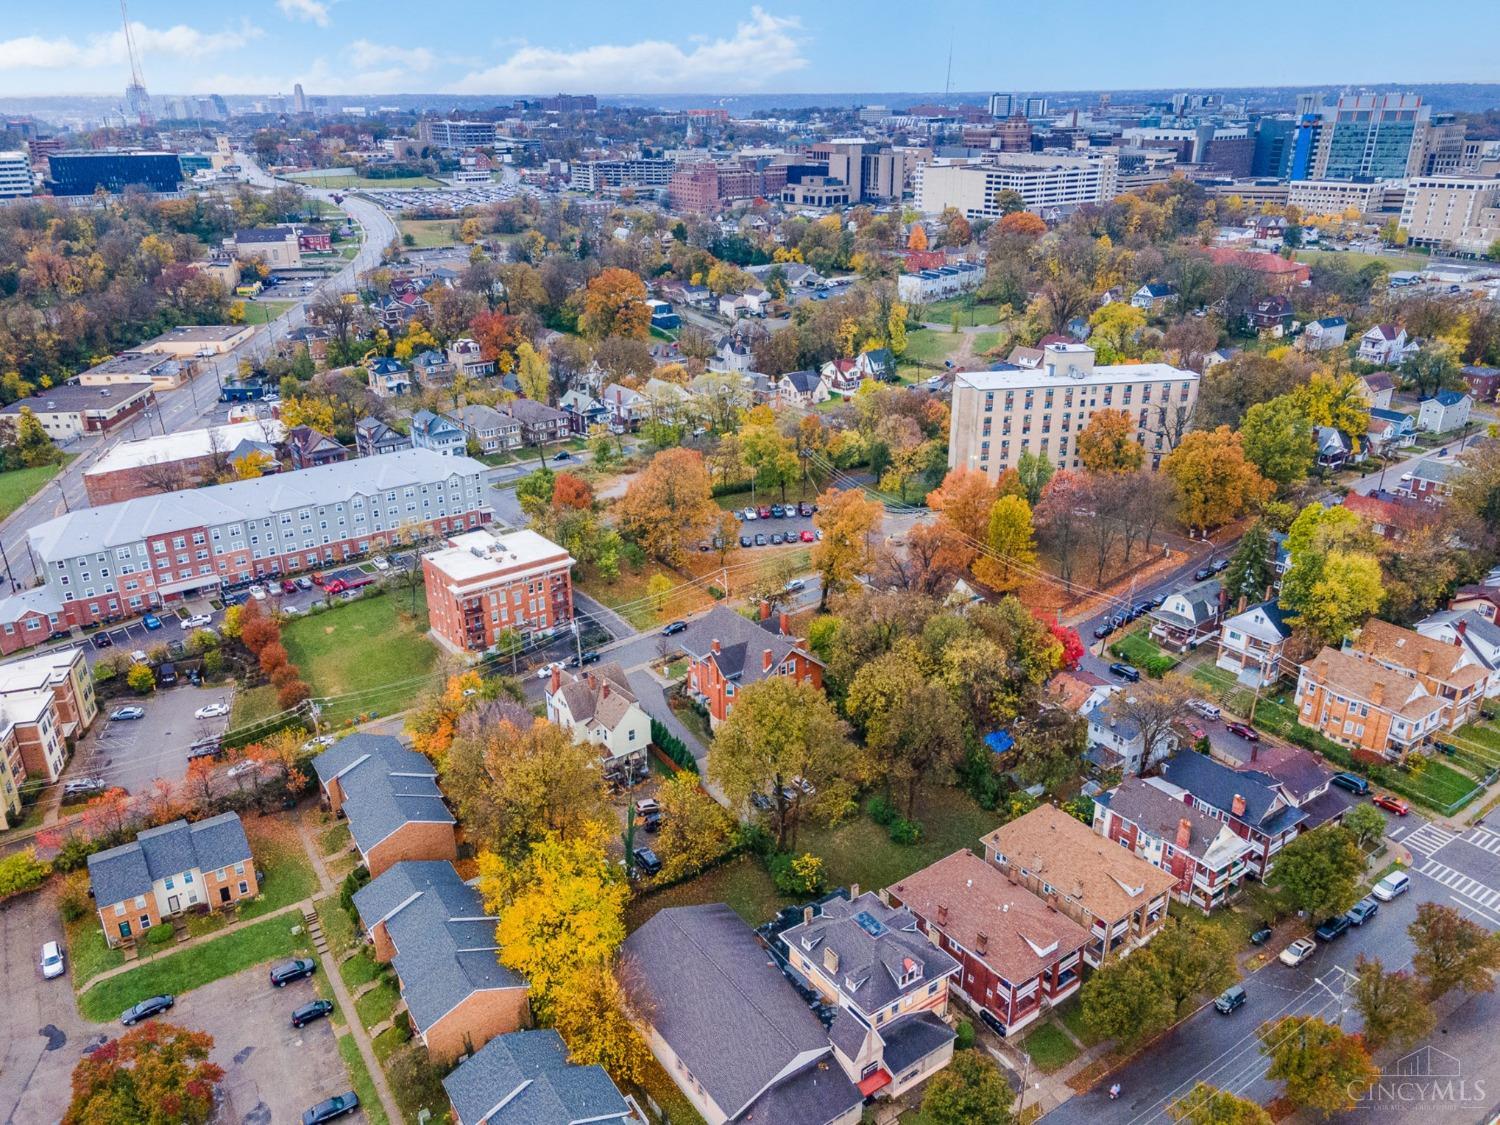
(869, 924)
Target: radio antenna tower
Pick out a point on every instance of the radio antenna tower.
(136, 98)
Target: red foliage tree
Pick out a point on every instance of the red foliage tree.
(292, 694)
(498, 335)
(156, 1072)
(569, 491)
(1072, 644)
(272, 657)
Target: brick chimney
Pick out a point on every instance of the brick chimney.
(981, 942)
(603, 688)
(1377, 693)
(766, 660)
(784, 623)
(765, 611)
(1237, 806)
(556, 679)
(1184, 834)
(807, 915)
(1424, 662)
(715, 646)
(1462, 627)
(853, 891)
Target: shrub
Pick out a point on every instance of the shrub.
(272, 657)
(417, 1077)
(74, 902)
(286, 674)
(753, 836)
(796, 875)
(965, 1038)
(213, 663)
(672, 746)
(881, 810)
(141, 679)
(352, 883)
(74, 852)
(160, 934)
(22, 871)
(905, 831)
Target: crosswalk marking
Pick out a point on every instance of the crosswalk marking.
(1485, 896)
(1429, 839)
(1485, 839)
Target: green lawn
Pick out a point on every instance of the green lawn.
(183, 971)
(1440, 784)
(377, 1005)
(984, 341)
(931, 345)
(430, 232)
(335, 838)
(389, 1041)
(359, 969)
(374, 647)
(742, 883)
(338, 927)
(1358, 260)
(88, 953)
(252, 705)
(941, 312)
(1071, 1015)
(1139, 649)
(364, 1085)
(1050, 1049)
(288, 873)
(20, 485)
(263, 312)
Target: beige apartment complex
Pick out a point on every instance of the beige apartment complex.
(1044, 179)
(1004, 412)
(1460, 213)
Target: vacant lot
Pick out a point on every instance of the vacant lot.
(742, 884)
(336, 182)
(263, 312)
(941, 312)
(931, 345)
(431, 232)
(20, 485)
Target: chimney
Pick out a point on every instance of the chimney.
(765, 610)
(830, 959)
(784, 623)
(716, 646)
(942, 915)
(807, 915)
(1424, 662)
(853, 891)
(1254, 751)
(981, 942)
(1237, 806)
(766, 660)
(1462, 626)
(1184, 834)
(588, 678)
(603, 689)
(556, 678)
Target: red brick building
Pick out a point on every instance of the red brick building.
(729, 652)
(480, 585)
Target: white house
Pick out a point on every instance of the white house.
(438, 433)
(1384, 344)
(1153, 297)
(752, 302)
(1472, 631)
(1444, 412)
(805, 388)
(1377, 388)
(1251, 645)
(1188, 616)
(1329, 332)
(597, 705)
(1112, 727)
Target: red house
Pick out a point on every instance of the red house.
(314, 240)
(729, 652)
(1018, 954)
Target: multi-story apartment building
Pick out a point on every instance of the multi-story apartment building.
(1001, 413)
(706, 188)
(458, 134)
(123, 558)
(1362, 704)
(480, 585)
(872, 171)
(599, 175)
(1450, 672)
(1458, 213)
(1045, 181)
(15, 175)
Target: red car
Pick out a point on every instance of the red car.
(1391, 803)
(289, 587)
(764, 513)
(808, 537)
(1247, 733)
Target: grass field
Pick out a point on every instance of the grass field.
(941, 312)
(364, 1085)
(431, 232)
(931, 345)
(336, 182)
(176, 973)
(374, 647)
(1050, 1049)
(1359, 260)
(263, 312)
(20, 485)
(742, 883)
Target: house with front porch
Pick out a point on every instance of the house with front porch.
(1377, 389)
(626, 408)
(1252, 645)
(1444, 412)
(727, 653)
(1390, 429)
(598, 705)
(1449, 672)
(1111, 725)
(1247, 800)
(1188, 616)
(1384, 344)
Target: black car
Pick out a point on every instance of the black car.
(646, 861)
(1125, 672)
(562, 455)
(1203, 574)
(1140, 609)
(744, 540)
(777, 539)
(777, 512)
(151, 1006)
(1102, 630)
(295, 969)
(317, 1010)
(205, 748)
(102, 641)
(1333, 928)
(588, 657)
(674, 628)
(1261, 936)
(336, 1106)
(1230, 999)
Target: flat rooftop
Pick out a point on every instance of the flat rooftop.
(186, 444)
(133, 363)
(1008, 377)
(198, 334)
(477, 556)
(74, 398)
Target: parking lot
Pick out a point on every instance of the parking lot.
(134, 635)
(790, 527)
(133, 753)
(431, 200)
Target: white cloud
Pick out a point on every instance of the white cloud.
(308, 11)
(761, 49)
(103, 51)
(365, 54)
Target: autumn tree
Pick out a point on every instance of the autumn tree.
(1209, 1105)
(499, 336)
(970, 1090)
(1107, 444)
(696, 830)
(153, 1074)
(1394, 1006)
(1319, 871)
(305, 410)
(1279, 441)
(780, 729)
(597, 1018)
(964, 500)
(614, 304)
(912, 726)
(1113, 330)
(1215, 482)
(848, 521)
(1328, 399)
(1010, 538)
(532, 372)
(1022, 223)
(917, 240)
(1124, 1000)
(668, 505)
(1323, 1068)
(1452, 952)
(1333, 580)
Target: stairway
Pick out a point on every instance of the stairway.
(314, 930)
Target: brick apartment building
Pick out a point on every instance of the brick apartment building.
(480, 585)
(150, 466)
(706, 188)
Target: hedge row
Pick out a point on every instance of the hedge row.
(672, 746)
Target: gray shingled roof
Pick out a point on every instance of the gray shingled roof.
(529, 1072)
(817, 1094)
(912, 1038)
(742, 643)
(130, 869)
(723, 1007)
(1218, 785)
(385, 785)
(445, 942)
(1160, 814)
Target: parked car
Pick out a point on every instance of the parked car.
(211, 711)
(1362, 911)
(745, 541)
(295, 969)
(1219, 566)
(52, 964)
(151, 1006)
(334, 1107)
(760, 539)
(1203, 573)
(1248, 733)
(138, 656)
(764, 511)
(83, 787)
(1352, 782)
(1261, 936)
(806, 509)
(673, 628)
(316, 1010)
(381, 563)
(1391, 803)
(102, 640)
(777, 539)
(1298, 952)
(808, 537)
(1102, 630)
(749, 514)
(777, 512)
(1204, 708)
(1125, 672)
(304, 583)
(204, 748)
(125, 714)
(288, 586)
(588, 657)
(645, 860)
(241, 769)
(196, 621)
(166, 675)
(322, 742)
(761, 802)
(562, 455)
(151, 621)
(1393, 885)
(1230, 999)
(1332, 928)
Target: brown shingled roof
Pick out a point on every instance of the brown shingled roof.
(1426, 656)
(1347, 674)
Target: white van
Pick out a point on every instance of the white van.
(1396, 883)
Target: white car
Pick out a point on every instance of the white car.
(139, 657)
(197, 621)
(318, 743)
(381, 562)
(545, 671)
(211, 711)
(1298, 952)
(52, 961)
(242, 768)
(258, 593)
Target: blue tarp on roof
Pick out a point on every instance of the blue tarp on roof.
(999, 741)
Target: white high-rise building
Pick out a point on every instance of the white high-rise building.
(15, 175)
(1044, 179)
(1002, 105)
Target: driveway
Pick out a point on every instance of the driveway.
(133, 753)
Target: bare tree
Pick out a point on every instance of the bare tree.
(1152, 706)
(164, 476)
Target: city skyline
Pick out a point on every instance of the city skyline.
(335, 48)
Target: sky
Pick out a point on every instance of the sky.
(505, 47)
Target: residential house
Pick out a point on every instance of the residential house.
(1279, 274)
(438, 433)
(1271, 317)
(373, 437)
(1203, 854)
(584, 411)
(307, 447)
(733, 353)
(841, 376)
(1472, 631)
(390, 797)
(1111, 726)
(627, 408)
(1303, 778)
(1376, 389)
(727, 653)
(1247, 800)
(29, 617)
(314, 240)
(170, 870)
(1483, 382)
(526, 1078)
(1017, 955)
(1325, 333)
(1363, 705)
(431, 927)
(1390, 429)
(1188, 615)
(47, 703)
(876, 363)
(888, 983)
(389, 378)
(1120, 899)
(1028, 359)
(802, 388)
(1392, 515)
(598, 705)
(1153, 297)
(395, 312)
(315, 338)
(1252, 645)
(494, 432)
(1446, 670)
(540, 423)
(432, 368)
(1384, 344)
(1444, 412)
(467, 358)
(752, 302)
(729, 1028)
(1482, 598)
(1076, 691)
(1430, 480)
(1334, 450)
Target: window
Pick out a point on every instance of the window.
(244, 888)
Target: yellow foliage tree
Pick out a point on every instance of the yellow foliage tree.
(307, 411)
(917, 240)
(1011, 542)
(532, 373)
(251, 466)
